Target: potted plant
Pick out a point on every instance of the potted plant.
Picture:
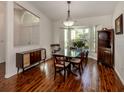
(79, 43)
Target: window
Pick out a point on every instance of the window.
(94, 39)
(65, 38)
(88, 33)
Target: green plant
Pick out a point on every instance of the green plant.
(86, 47)
(74, 43)
(79, 43)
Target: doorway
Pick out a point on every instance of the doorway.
(2, 39)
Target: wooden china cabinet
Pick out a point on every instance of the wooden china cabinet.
(105, 53)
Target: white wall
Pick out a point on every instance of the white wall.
(2, 32)
(17, 27)
(101, 21)
(45, 36)
(119, 43)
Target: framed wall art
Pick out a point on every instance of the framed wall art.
(119, 25)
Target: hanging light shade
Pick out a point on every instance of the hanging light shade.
(68, 21)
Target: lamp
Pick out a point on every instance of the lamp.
(68, 21)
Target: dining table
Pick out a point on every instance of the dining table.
(70, 53)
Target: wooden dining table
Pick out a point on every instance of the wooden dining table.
(69, 54)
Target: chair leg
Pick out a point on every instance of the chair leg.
(68, 70)
(55, 74)
(64, 74)
(86, 61)
(81, 66)
(73, 65)
(70, 67)
(79, 70)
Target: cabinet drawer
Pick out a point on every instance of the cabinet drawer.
(39, 55)
(26, 60)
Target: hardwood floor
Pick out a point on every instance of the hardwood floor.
(2, 71)
(41, 78)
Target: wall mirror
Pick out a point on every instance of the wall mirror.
(26, 27)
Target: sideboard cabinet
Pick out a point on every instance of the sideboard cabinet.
(28, 58)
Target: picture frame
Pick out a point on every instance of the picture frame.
(119, 25)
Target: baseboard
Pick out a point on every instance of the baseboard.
(119, 76)
(10, 75)
(92, 57)
(48, 59)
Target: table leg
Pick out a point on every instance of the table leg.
(72, 71)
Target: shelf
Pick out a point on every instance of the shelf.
(104, 39)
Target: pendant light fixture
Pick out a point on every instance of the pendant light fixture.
(68, 21)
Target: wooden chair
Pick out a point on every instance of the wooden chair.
(60, 64)
(55, 47)
(77, 62)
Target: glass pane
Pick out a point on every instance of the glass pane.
(73, 34)
(87, 34)
(65, 37)
(93, 40)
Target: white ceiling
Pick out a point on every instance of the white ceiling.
(57, 10)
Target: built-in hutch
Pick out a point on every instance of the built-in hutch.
(105, 53)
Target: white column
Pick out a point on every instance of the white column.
(10, 64)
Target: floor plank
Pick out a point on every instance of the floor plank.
(41, 78)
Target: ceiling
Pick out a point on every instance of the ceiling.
(57, 10)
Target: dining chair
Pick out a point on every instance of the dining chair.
(77, 62)
(55, 47)
(60, 64)
(73, 48)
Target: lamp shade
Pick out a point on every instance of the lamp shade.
(68, 23)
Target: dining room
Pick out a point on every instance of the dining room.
(63, 46)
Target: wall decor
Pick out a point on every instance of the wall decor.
(119, 25)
